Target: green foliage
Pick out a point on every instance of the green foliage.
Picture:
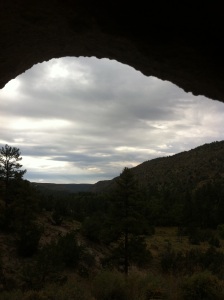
(28, 239)
(138, 252)
(70, 290)
(112, 285)
(6, 218)
(214, 241)
(52, 259)
(69, 251)
(197, 235)
(171, 261)
(145, 286)
(11, 295)
(57, 217)
(130, 223)
(93, 226)
(22, 210)
(220, 229)
(10, 172)
(9, 163)
(192, 261)
(26, 206)
(202, 286)
(109, 286)
(100, 228)
(45, 268)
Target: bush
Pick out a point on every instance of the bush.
(71, 290)
(57, 218)
(202, 286)
(214, 241)
(137, 286)
(6, 218)
(99, 229)
(171, 261)
(214, 261)
(70, 251)
(46, 267)
(145, 286)
(92, 227)
(34, 295)
(220, 229)
(109, 286)
(28, 239)
(194, 236)
(53, 258)
(138, 252)
(17, 294)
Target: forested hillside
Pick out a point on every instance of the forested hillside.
(183, 171)
(69, 188)
(157, 232)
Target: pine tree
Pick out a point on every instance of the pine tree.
(127, 215)
(9, 169)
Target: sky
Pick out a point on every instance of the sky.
(81, 120)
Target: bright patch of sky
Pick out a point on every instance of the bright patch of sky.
(81, 120)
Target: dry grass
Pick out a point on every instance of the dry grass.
(168, 235)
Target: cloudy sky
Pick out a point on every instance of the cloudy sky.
(81, 120)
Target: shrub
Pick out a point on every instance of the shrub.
(214, 260)
(202, 286)
(144, 286)
(109, 285)
(45, 268)
(28, 239)
(6, 218)
(220, 229)
(171, 261)
(194, 236)
(138, 252)
(69, 250)
(53, 258)
(57, 218)
(98, 228)
(214, 241)
(34, 295)
(194, 260)
(11, 295)
(71, 290)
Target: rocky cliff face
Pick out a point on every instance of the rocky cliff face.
(182, 44)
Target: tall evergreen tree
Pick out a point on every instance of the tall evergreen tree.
(127, 214)
(9, 169)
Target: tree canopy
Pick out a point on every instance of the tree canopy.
(9, 164)
(9, 170)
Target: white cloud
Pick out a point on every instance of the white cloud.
(84, 120)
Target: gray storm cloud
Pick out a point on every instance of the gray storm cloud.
(85, 119)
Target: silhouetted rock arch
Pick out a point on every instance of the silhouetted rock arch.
(182, 44)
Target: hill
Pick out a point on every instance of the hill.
(185, 170)
(69, 188)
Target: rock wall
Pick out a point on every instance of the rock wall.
(174, 42)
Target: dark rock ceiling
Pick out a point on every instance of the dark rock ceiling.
(179, 43)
